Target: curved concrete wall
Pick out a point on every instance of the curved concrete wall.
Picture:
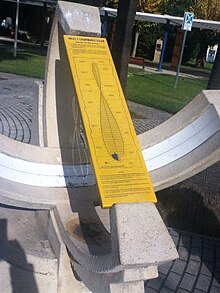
(182, 148)
(125, 244)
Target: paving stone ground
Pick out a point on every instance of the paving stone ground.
(198, 268)
(16, 96)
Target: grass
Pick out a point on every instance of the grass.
(187, 68)
(157, 90)
(27, 63)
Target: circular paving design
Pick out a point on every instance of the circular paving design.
(15, 118)
(16, 106)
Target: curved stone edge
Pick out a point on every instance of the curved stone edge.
(41, 155)
(184, 141)
(187, 166)
(202, 114)
(190, 149)
(175, 123)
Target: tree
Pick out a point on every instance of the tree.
(175, 7)
(202, 9)
(207, 9)
(204, 38)
(149, 33)
(210, 10)
(147, 6)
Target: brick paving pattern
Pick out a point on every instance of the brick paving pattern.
(198, 268)
(16, 106)
(15, 118)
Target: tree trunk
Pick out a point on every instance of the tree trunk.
(214, 80)
(135, 44)
(121, 47)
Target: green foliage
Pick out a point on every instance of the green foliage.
(175, 7)
(111, 3)
(142, 5)
(149, 33)
(197, 40)
(150, 6)
(207, 9)
(97, 3)
(191, 48)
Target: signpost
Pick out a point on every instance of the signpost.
(186, 26)
(117, 159)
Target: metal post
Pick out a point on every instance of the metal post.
(180, 59)
(105, 25)
(16, 30)
(165, 37)
(43, 25)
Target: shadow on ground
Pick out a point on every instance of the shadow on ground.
(21, 272)
(185, 209)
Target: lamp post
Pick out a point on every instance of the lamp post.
(16, 30)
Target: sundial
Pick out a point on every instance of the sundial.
(117, 160)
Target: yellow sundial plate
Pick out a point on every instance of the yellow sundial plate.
(117, 160)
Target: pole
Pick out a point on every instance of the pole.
(43, 25)
(180, 59)
(165, 37)
(16, 30)
(105, 25)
